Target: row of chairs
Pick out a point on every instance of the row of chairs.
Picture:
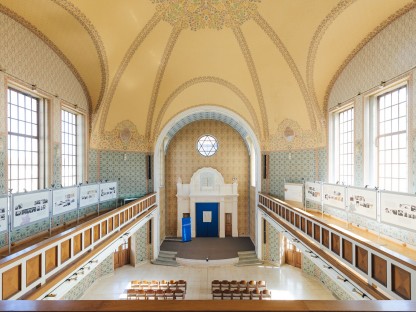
(159, 294)
(237, 285)
(246, 294)
(155, 285)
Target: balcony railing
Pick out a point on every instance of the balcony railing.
(383, 269)
(30, 268)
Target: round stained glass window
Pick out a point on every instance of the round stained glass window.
(207, 145)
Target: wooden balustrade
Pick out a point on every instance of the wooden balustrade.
(382, 268)
(28, 269)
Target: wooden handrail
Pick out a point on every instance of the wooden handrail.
(207, 305)
(25, 270)
(384, 269)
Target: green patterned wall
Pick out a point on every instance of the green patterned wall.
(141, 245)
(129, 169)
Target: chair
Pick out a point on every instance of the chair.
(242, 284)
(135, 284)
(234, 285)
(252, 285)
(179, 294)
(131, 294)
(160, 294)
(261, 285)
(256, 294)
(215, 284)
(173, 284)
(163, 285)
(235, 294)
(217, 294)
(266, 294)
(226, 294)
(181, 284)
(154, 285)
(141, 294)
(144, 285)
(150, 294)
(245, 294)
(225, 284)
(169, 295)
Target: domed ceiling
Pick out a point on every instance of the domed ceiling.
(141, 62)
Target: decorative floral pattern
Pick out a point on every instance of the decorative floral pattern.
(273, 246)
(141, 246)
(200, 14)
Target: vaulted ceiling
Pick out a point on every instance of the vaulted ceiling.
(145, 61)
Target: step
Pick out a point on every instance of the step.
(248, 252)
(165, 252)
(166, 258)
(167, 263)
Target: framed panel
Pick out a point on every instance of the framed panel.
(87, 238)
(334, 196)
(361, 259)
(108, 191)
(347, 250)
(88, 195)
(362, 201)
(11, 282)
(33, 269)
(398, 209)
(65, 250)
(325, 238)
(317, 232)
(309, 228)
(51, 259)
(313, 192)
(3, 213)
(379, 269)
(30, 207)
(64, 200)
(401, 282)
(77, 243)
(335, 244)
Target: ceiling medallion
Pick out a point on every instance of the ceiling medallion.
(200, 14)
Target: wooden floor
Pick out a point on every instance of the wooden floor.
(373, 238)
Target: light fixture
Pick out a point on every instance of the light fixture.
(341, 278)
(382, 84)
(327, 266)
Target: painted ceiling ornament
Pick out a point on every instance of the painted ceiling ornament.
(200, 14)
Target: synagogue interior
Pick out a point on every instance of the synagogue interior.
(193, 155)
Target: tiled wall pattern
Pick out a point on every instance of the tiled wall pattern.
(141, 239)
(290, 167)
(27, 57)
(312, 269)
(57, 161)
(93, 165)
(322, 164)
(3, 165)
(273, 245)
(231, 160)
(104, 268)
(129, 169)
(388, 55)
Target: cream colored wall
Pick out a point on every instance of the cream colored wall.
(231, 160)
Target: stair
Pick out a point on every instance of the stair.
(167, 258)
(246, 258)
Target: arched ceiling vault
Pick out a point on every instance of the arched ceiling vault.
(144, 61)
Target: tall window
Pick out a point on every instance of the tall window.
(69, 148)
(392, 140)
(23, 141)
(346, 146)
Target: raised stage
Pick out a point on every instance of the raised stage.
(213, 248)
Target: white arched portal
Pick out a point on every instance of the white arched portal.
(200, 113)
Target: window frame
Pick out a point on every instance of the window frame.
(334, 143)
(81, 143)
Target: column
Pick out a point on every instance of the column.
(156, 233)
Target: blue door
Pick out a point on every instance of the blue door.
(207, 219)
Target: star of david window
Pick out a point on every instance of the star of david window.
(207, 145)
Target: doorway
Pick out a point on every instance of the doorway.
(293, 255)
(206, 219)
(122, 255)
(228, 224)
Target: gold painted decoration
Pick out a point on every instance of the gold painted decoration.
(200, 14)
